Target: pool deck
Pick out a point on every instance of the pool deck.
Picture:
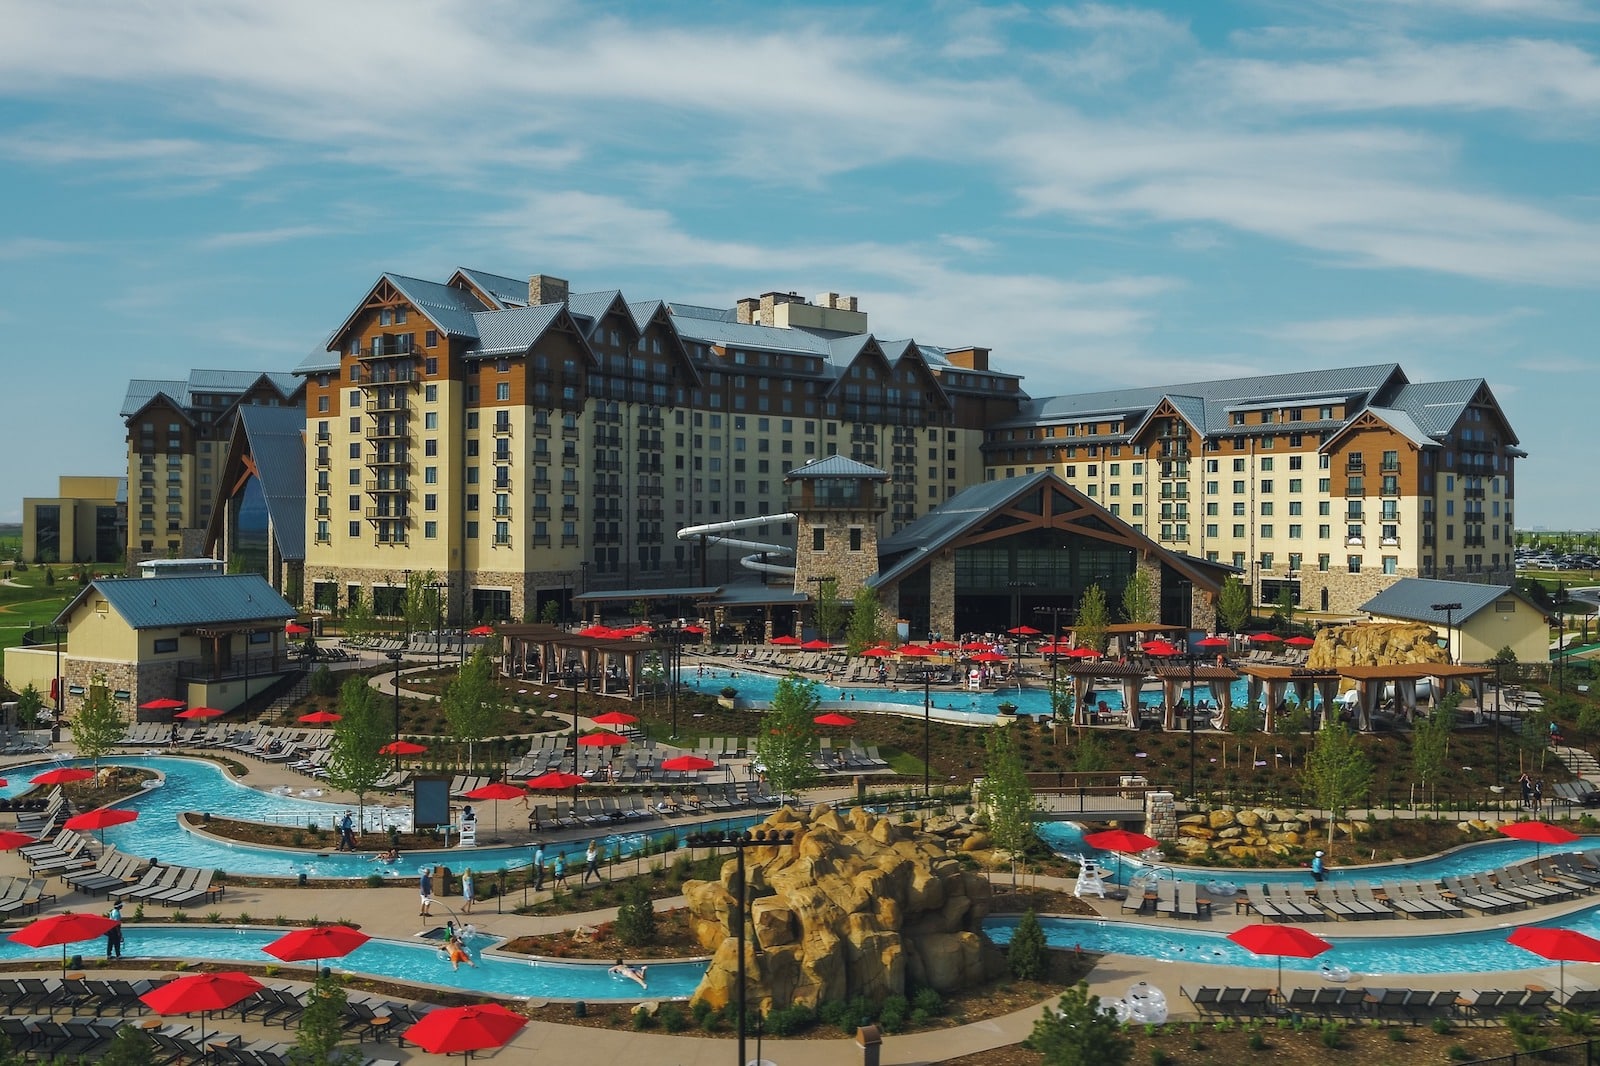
(386, 912)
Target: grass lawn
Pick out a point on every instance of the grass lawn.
(31, 602)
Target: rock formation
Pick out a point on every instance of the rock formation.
(855, 906)
(1253, 832)
(1374, 644)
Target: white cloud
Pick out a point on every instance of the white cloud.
(36, 247)
(255, 238)
(1391, 329)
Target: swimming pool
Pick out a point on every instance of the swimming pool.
(202, 785)
(1035, 700)
(496, 975)
(1066, 838)
(1365, 957)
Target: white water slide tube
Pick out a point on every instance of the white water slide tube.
(716, 532)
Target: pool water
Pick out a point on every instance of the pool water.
(1029, 700)
(201, 785)
(394, 959)
(1066, 838)
(1365, 957)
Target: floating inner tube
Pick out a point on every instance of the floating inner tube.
(1222, 888)
(1335, 973)
(154, 782)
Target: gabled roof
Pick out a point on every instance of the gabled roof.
(141, 391)
(835, 466)
(1412, 598)
(726, 332)
(514, 330)
(506, 292)
(277, 441)
(589, 308)
(190, 600)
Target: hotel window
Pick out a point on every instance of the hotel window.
(355, 529)
(502, 391)
(1353, 562)
(430, 530)
(1294, 534)
(430, 393)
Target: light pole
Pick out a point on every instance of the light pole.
(1055, 656)
(674, 641)
(740, 841)
(56, 629)
(575, 675)
(1189, 654)
(395, 657)
(438, 588)
(1449, 610)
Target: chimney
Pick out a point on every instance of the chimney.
(546, 289)
(769, 304)
(747, 308)
(826, 299)
(846, 303)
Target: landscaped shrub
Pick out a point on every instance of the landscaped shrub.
(788, 1021)
(1028, 954)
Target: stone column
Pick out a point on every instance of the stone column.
(1160, 815)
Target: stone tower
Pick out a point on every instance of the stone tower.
(837, 504)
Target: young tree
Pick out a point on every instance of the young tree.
(1093, 617)
(354, 764)
(787, 732)
(636, 918)
(831, 615)
(30, 701)
(1338, 772)
(359, 620)
(863, 629)
(422, 601)
(1140, 599)
(1090, 755)
(1283, 611)
(472, 702)
(98, 725)
(131, 1046)
(1080, 1033)
(1430, 744)
(550, 613)
(321, 1028)
(1007, 795)
(1028, 954)
(1233, 604)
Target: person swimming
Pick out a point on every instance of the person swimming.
(632, 973)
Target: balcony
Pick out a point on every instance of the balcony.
(502, 512)
(540, 512)
(323, 436)
(324, 538)
(502, 429)
(569, 458)
(502, 456)
(570, 432)
(390, 347)
(323, 462)
(1473, 494)
(569, 512)
(569, 540)
(540, 540)
(397, 402)
(541, 484)
(323, 512)
(372, 486)
(377, 459)
(1356, 542)
(1389, 542)
(375, 514)
(1355, 466)
(1389, 468)
(502, 540)
(393, 536)
(395, 430)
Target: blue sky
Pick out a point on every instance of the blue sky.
(1104, 194)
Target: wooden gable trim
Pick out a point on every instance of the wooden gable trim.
(663, 318)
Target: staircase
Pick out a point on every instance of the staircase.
(298, 686)
(1578, 761)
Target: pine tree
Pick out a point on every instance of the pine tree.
(1079, 1033)
(1233, 604)
(829, 613)
(1140, 603)
(636, 917)
(1028, 954)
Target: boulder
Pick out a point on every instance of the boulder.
(1220, 818)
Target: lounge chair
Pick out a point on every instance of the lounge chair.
(1259, 903)
(1407, 905)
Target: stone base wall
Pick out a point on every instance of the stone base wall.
(1160, 815)
(849, 569)
(1346, 591)
(524, 585)
(942, 592)
(143, 683)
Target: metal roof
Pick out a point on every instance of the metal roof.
(904, 550)
(835, 466)
(508, 292)
(191, 600)
(1412, 598)
(513, 330)
(449, 308)
(596, 305)
(181, 393)
(277, 443)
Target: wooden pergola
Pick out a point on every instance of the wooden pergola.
(563, 656)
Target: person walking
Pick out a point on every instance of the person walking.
(425, 886)
(347, 832)
(591, 862)
(559, 870)
(538, 867)
(114, 934)
(468, 891)
(1318, 870)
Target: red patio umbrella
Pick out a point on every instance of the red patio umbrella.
(552, 779)
(1279, 940)
(403, 747)
(321, 718)
(66, 775)
(481, 631)
(1212, 644)
(943, 645)
(448, 1030)
(918, 650)
(63, 929)
(976, 645)
(816, 645)
(1563, 945)
(295, 629)
(694, 631)
(875, 653)
(1159, 648)
(834, 718)
(786, 641)
(10, 840)
(1121, 841)
(1539, 833)
(597, 631)
(602, 739)
(201, 712)
(202, 992)
(101, 818)
(1265, 638)
(496, 790)
(987, 657)
(1083, 652)
(688, 763)
(615, 718)
(165, 703)
(316, 943)
(1024, 631)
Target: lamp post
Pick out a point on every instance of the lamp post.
(56, 629)
(1449, 610)
(1055, 657)
(1189, 654)
(405, 606)
(438, 588)
(740, 841)
(395, 657)
(574, 674)
(674, 641)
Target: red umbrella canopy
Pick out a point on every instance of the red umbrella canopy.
(876, 653)
(67, 928)
(1159, 648)
(10, 840)
(787, 641)
(164, 704)
(321, 718)
(1279, 940)
(943, 645)
(201, 712)
(602, 739)
(1539, 832)
(916, 649)
(1023, 631)
(1300, 642)
(556, 779)
(66, 775)
(1122, 841)
(295, 629)
(1083, 653)
(465, 1029)
(694, 631)
(988, 657)
(976, 645)
(1212, 644)
(481, 631)
(201, 992)
(1563, 945)
(318, 942)
(1265, 638)
(816, 645)
(100, 818)
(834, 718)
(403, 747)
(615, 718)
(688, 762)
(1055, 648)
(497, 790)
(605, 632)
